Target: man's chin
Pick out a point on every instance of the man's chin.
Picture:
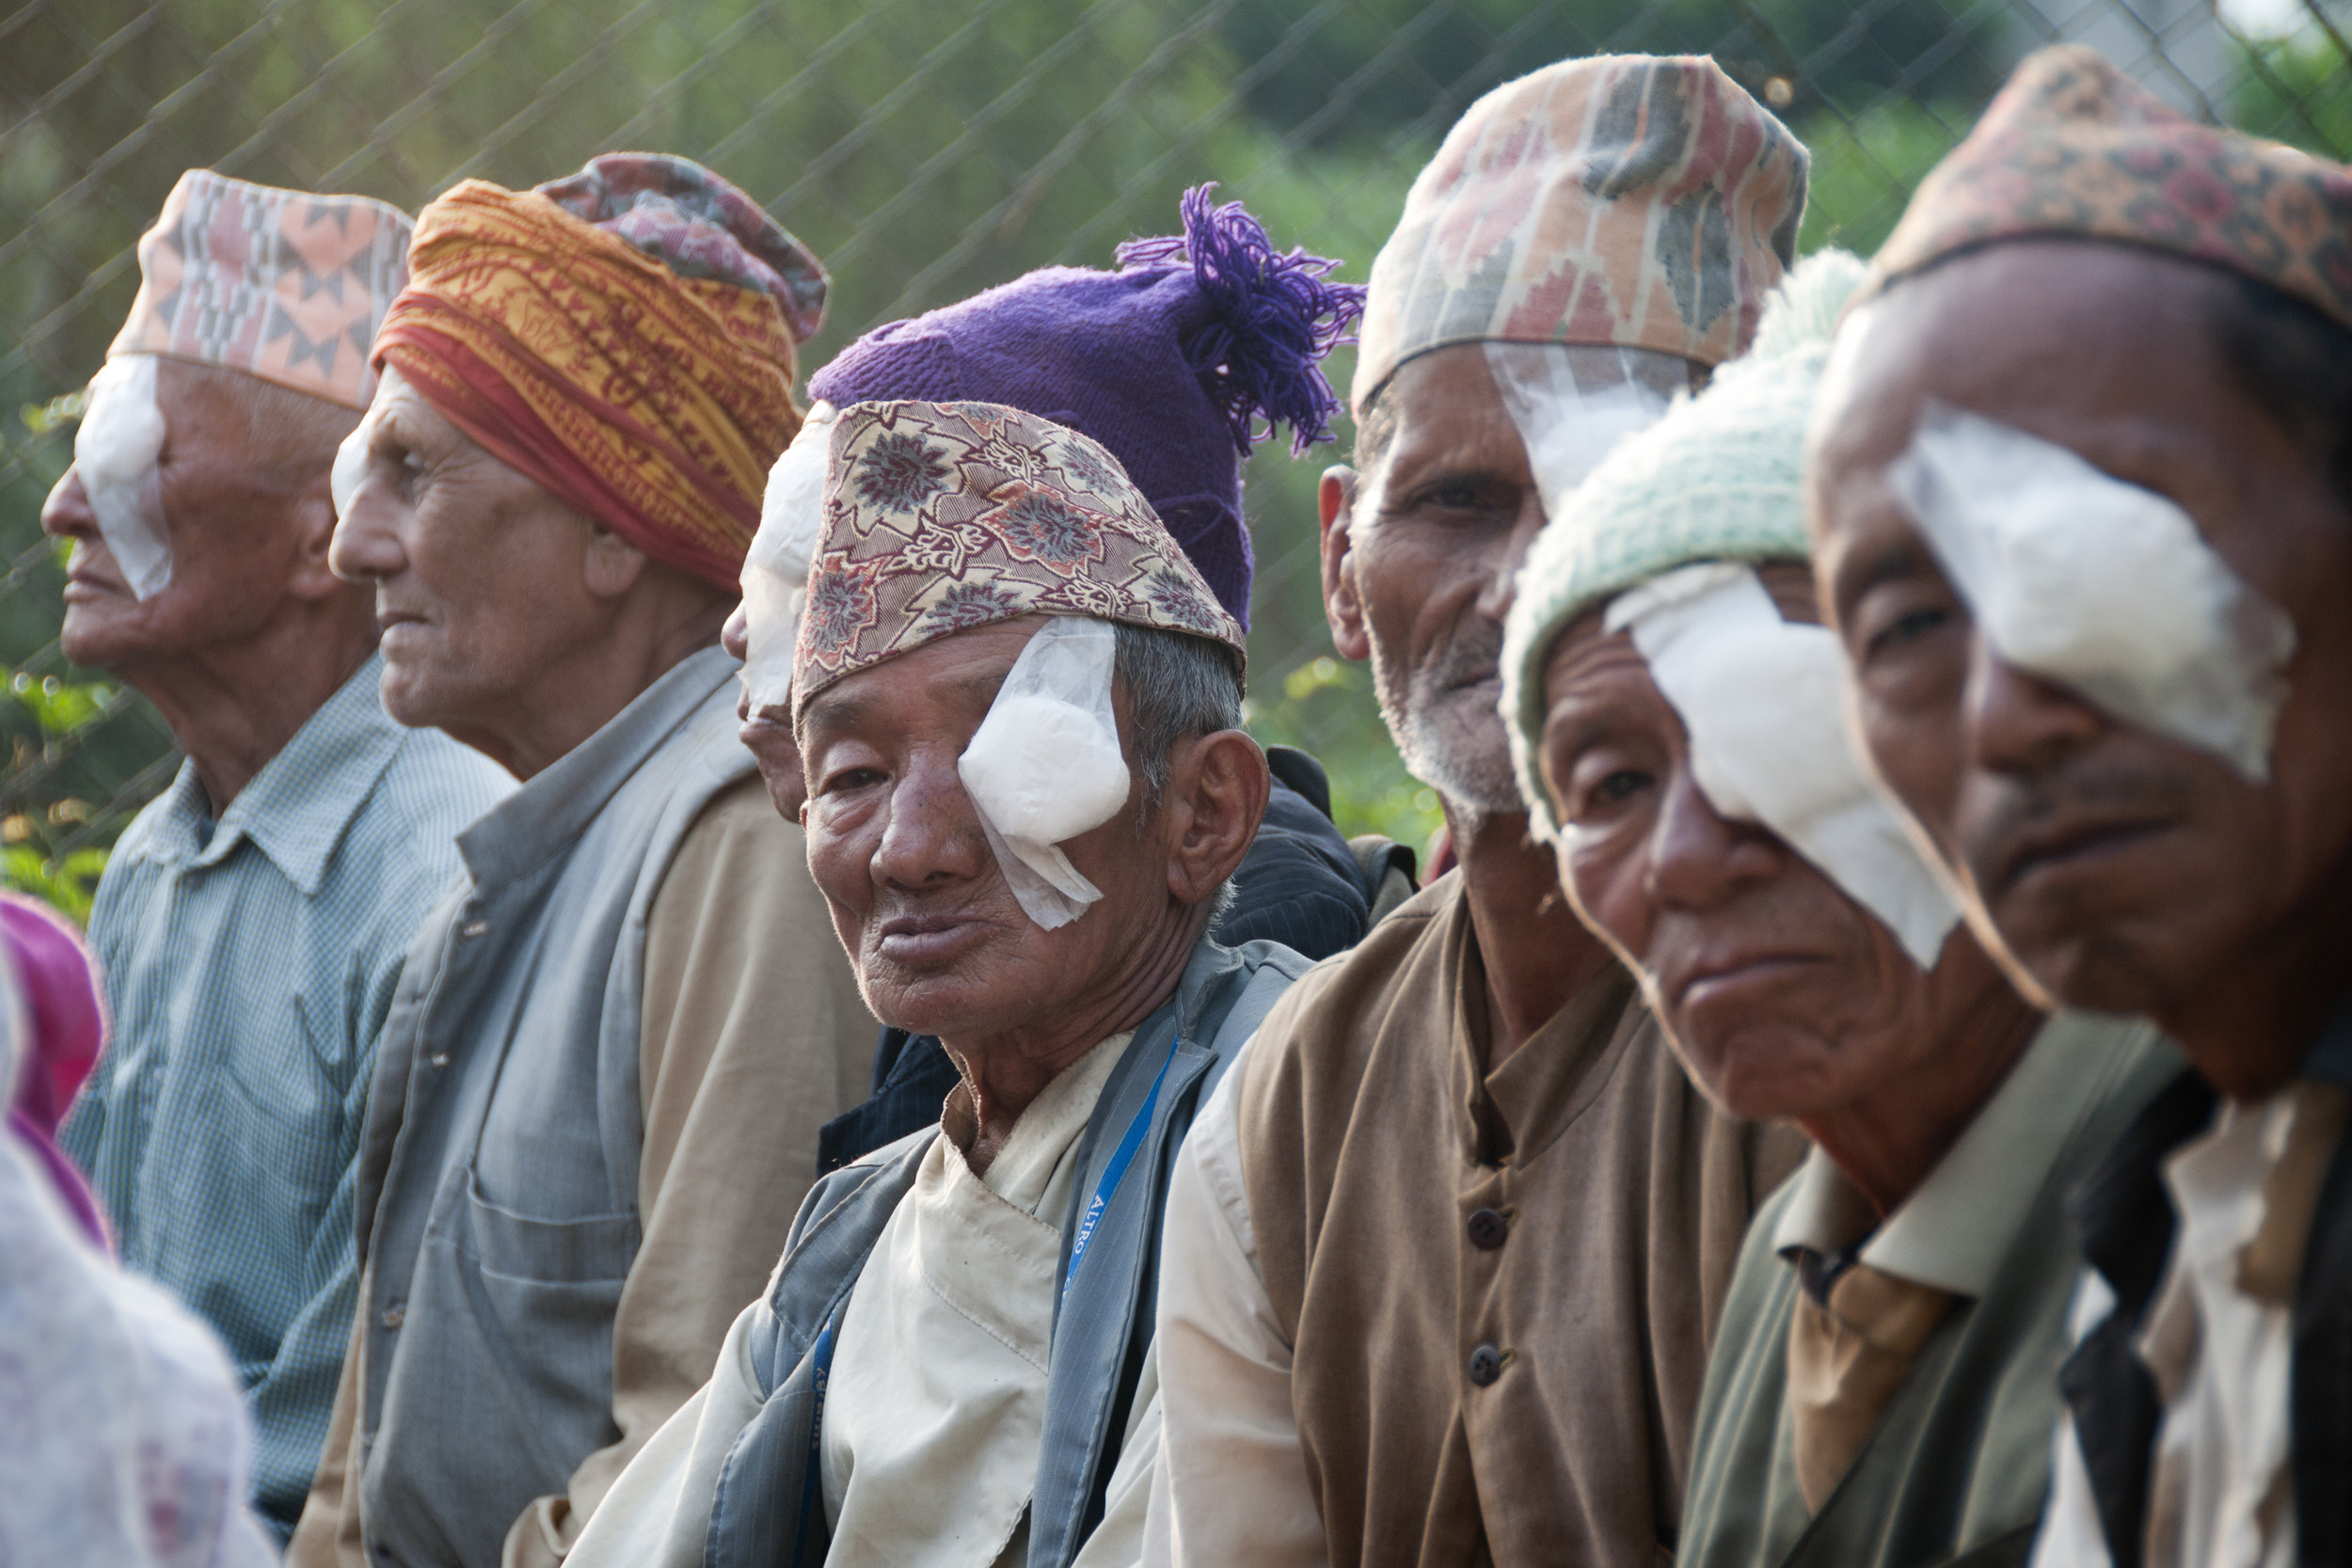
(1461, 751)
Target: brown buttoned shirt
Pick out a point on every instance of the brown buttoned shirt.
(1487, 1295)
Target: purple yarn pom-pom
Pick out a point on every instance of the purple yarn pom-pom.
(1261, 354)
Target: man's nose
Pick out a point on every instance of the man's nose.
(1697, 857)
(366, 545)
(1502, 580)
(2017, 722)
(67, 515)
(735, 636)
(933, 833)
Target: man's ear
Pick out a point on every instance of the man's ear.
(613, 565)
(314, 534)
(1341, 606)
(1215, 798)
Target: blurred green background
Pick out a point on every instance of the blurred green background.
(927, 149)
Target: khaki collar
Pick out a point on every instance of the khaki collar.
(1954, 1230)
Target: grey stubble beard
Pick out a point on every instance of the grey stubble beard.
(1449, 739)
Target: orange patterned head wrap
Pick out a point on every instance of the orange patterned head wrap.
(623, 338)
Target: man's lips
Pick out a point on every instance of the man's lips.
(85, 575)
(1717, 975)
(2072, 839)
(916, 938)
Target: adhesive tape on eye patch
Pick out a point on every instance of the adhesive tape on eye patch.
(775, 568)
(116, 452)
(2100, 586)
(1045, 766)
(1764, 703)
(1573, 404)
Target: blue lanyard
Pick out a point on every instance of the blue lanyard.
(1120, 1158)
(813, 1479)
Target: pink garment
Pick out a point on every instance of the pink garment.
(65, 1025)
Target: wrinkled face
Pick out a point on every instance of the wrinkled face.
(237, 526)
(940, 943)
(1784, 996)
(2121, 869)
(1441, 520)
(480, 574)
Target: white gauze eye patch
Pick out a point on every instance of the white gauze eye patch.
(2098, 585)
(1764, 702)
(116, 452)
(1044, 765)
(775, 569)
(351, 464)
(1573, 404)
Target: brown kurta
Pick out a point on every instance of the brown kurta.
(1499, 1287)
(754, 1034)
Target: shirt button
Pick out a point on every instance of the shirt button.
(1487, 1229)
(474, 927)
(396, 1314)
(438, 1058)
(1485, 1365)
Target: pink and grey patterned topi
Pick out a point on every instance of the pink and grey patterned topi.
(1624, 199)
(282, 285)
(2073, 148)
(942, 516)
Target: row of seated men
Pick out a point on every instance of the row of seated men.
(1867, 1083)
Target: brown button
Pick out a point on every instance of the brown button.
(396, 1314)
(1485, 1365)
(1487, 1229)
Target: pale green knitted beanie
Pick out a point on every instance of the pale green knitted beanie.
(1717, 479)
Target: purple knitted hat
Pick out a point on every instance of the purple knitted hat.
(1170, 362)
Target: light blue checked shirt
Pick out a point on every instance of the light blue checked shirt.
(249, 966)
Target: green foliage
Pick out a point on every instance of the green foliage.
(1324, 706)
(2298, 89)
(43, 839)
(60, 707)
(1864, 169)
(66, 885)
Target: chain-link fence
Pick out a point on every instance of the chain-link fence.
(925, 148)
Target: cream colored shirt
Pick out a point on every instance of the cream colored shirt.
(2220, 1486)
(1952, 1231)
(936, 1403)
(1243, 1493)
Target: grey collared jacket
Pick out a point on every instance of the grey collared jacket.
(498, 1177)
(1104, 1323)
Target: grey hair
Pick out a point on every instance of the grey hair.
(1177, 685)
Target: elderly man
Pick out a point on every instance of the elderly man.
(1441, 1137)
(2084, 520)
(1879, 1394)
(1019, 706)
(253, 920)
(615, 1041)
(1175, 359)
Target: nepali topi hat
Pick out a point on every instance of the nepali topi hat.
(282, 285)
(943, 516)
(2072, 148)
(1630, 200)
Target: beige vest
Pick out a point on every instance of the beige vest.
(1499, 1287)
